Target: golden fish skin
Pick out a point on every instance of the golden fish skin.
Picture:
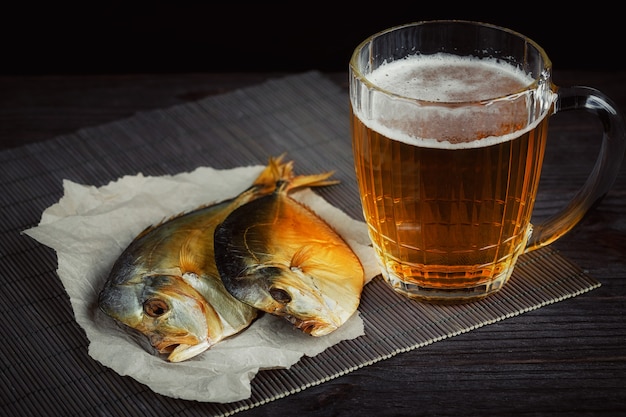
(280, 257)
(166, 286)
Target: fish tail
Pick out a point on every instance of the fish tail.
(280, 174)
(317, 180)
(274, 170)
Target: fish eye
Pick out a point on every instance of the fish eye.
(280, 295)
(155, 307)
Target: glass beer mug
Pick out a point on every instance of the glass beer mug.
(449, 122)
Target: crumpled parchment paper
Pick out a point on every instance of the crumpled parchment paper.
(89, 228)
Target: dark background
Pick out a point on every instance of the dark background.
(115, 37)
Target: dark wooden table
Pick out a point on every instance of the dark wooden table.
(567, 359)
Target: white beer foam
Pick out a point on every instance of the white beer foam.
(466, 79)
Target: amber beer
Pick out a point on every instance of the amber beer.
(448, 190)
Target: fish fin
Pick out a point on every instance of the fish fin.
(302, 257)
(144, 232)
(317, 180)
(154, 226)
(306, 260)
(274, 171)
(277, 172)
(158, 224)
(190, 258)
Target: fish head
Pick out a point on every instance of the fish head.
(176, 320)
(315, 305)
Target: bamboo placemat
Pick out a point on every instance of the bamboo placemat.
(46, 369)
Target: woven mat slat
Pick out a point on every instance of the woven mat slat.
(305, 116)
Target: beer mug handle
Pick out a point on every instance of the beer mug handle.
(604, 172)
